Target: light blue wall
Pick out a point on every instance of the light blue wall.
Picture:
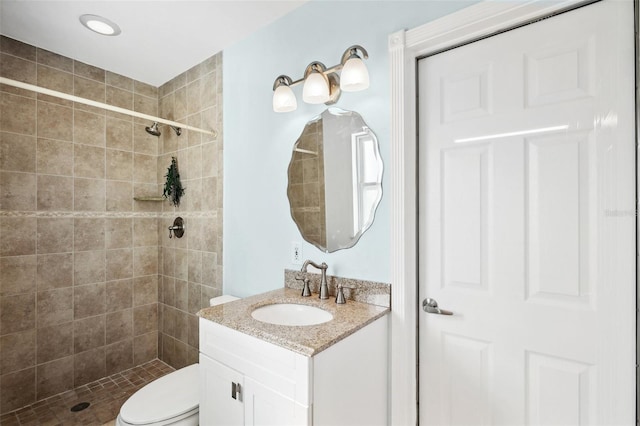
(258, 229)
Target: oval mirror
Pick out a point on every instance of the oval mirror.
(335, 179)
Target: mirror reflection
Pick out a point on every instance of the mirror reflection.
(335, 179)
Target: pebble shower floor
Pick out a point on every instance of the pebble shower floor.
(106, 396)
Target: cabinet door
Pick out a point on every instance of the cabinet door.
(265, 407)
(220, 399)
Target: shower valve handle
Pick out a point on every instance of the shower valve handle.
(177, 228)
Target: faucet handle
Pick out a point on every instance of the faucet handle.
(340, 299)
(306, 291)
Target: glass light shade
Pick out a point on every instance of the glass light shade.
(100, 25)
(316, 89)
(284, 100)
(354, 76)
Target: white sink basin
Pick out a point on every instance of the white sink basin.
(291, 314)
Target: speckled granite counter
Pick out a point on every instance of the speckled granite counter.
(306, 340)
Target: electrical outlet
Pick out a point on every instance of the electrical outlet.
(296, 253)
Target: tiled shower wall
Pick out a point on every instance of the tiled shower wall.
(191, 266)
(78, 257)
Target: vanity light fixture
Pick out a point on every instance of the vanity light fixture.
(100, 25)
(322, 85)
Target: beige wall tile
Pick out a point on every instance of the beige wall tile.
(17, 48)
(18, 191)
(143, 142)
(145, 261)
(195, 266)
(144, 168)
(89, 195)
(119, 97)
(17, 114)
(119, 326)
(119, 134)
(88, 71)
(55, 306)
(88, 267)
(119, 196)
(208, 93)
(145, 105)
(89, 161)
(17, 389)
(17, 313)
(119, 295)
(119, 233)
(180, 104)
(54, 271)
(88, 333)
(55, 79)
(119, 356)
(55, 121)
(89, 366)
(54, 60)
(193, 338)
(89, 89)
(119, 264)
(89, 234)
(89, 300)
(119, 165)
(22, 239)
(55, 193)
(18, 275)
(54, 377)
(195, 120)
(54, 342)
(145, 290)
(89, 128)
(194, 103)
(145, 348)
(55, 157)
(145, 232)
(145, 319)
(194, 298)
(194, 73)
(18, 351)
(17, 152)
(119, 81)
(182, 295)
(17, 69)
(55, 235)
(145, 89)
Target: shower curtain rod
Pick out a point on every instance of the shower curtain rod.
(44, 91)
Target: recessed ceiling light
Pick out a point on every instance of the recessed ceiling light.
(100, 25)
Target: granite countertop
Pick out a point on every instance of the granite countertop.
(306, 340)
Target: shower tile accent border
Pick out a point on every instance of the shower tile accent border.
(371, 292)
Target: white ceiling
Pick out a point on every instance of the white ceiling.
(159, 40)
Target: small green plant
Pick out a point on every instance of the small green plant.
(173, 187)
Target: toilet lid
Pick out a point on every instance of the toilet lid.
(164, 398)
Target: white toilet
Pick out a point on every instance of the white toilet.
(170, 400)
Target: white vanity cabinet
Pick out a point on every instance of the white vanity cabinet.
(248, 381)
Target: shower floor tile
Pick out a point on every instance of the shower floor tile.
(106, 396)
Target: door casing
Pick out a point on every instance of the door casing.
(405, 48)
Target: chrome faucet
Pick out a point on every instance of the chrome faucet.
(324, 288)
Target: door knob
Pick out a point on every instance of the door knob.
(431, 306)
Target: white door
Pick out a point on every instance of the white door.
(527, 224)
(221, 400)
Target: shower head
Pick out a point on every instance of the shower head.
(153, 129)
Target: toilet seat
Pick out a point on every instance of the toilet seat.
(165, 401)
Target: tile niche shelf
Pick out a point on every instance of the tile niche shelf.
(150, 198)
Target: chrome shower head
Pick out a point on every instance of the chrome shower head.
(153, 130)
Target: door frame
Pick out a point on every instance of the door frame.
(406, 47)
